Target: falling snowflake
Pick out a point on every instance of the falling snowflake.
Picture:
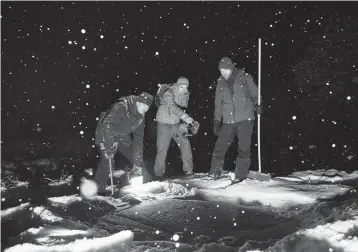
(87, 86)
(81, 132)
(291, 148)
(175, 237)
(53, 107)
(83, 47)
(333, 145)
(70, 42)
(83, 31)
(294, 117)
(156, 53)
(348, 98)
(101, 36)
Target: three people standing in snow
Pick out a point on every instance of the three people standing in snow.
(236, 99)
(113, 133)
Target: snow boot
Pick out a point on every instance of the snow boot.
(215, 175)
(189, 175)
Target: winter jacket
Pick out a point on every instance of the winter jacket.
(169, 111)
(122, 119)
(236, 104)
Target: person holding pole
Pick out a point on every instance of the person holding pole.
(113, 133)
(236, 99)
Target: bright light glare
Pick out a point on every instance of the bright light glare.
(88, 188)
(136, 181)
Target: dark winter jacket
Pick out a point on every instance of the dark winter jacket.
(236, 104)
(122, 119)
(169, 111)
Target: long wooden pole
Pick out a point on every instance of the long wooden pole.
(258, 115)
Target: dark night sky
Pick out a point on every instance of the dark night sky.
(64, 62)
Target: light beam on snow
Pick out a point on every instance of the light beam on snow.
(136, 181)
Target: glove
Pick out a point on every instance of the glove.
(259, 109)
(216, 127)
(187, 119)
(137, 170)
(109, 154)
(195, 128)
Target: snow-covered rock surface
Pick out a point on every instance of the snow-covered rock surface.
(198, 216)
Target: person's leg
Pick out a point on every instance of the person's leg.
(186, 152)
(225, 138)
(164, 136)
(243, 160)
(102, 173)
(125, 147)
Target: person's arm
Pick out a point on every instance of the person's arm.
(218, 100)
(252, 89)
(138, 136)
(172, 107)
(114, 116)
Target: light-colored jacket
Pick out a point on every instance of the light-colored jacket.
(169, 112)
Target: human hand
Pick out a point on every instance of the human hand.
(259, 109)
(109, 154)
(216, 127)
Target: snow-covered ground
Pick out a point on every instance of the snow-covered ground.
(151, 218)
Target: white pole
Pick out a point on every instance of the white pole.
(258, 115)
(111, 174)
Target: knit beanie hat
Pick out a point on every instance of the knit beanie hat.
(183, 81)
(145, 98)
(226, 63)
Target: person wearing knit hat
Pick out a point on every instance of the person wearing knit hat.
(236, 99)
(144, 101)
(226, 63)
(183, 81)
(124, 118)
(169, 116)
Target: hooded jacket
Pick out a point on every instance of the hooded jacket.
(169, 111)
(122, 119)
(236, 104)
